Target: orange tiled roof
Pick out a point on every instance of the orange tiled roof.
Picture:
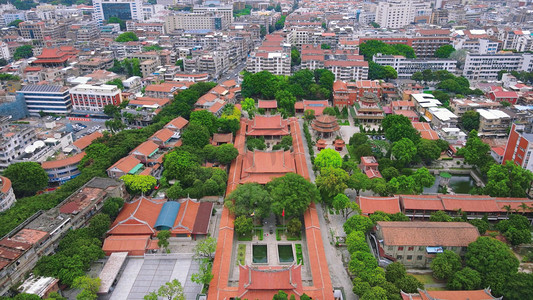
(75, 159)
(163, 134)
(125, 164)
(262, 166)
(178, 123)
(418, 233)
(370, 205)
(145, 148)
(426, 132)
(85, 141)
(137, 217)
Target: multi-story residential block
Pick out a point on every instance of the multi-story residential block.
(10, 16)
(398, 14)
(276, 62)
(493, 123)
(407, 67)
(158, 27)
(148, 67)
(7, 196)
(195, 21)
(519, 147)
(86, 31)
(53, 99)
(487, 66)
(441, 117)
(13, 140)
(32, 30)
(460, 106)
(416, 243)
(348, 70)
(225, 11)
(4, 51)
(86, 97)
(123, 9)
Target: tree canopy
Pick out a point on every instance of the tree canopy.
(23, 52)
(369, 48)
(127, 37)
(139, 184)
(444, 51)
(292, 193)
(250, 199)
(446, 264)
(508, 180)
(328, 158)
(27, 178)
(470, 120)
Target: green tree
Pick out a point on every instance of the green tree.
(204, 118)
(115, 20)
(88, 286)
(249, 199)
(286, 101)
(444, 51)
(482, 225)
(294, 227)
(341, 202)
(389, 73)
(248, 105)
(359, 181)
(205, 249)
(409, 284)
(470, 120)
(476, 152)
(172, 290)
(295, 57)
(389, 173)
(417, 76)
(127, 37)
(440, 216)
(162, 239)
(23, 52)
(292, 193)
(99, 225)
(428, 150)
(496, 268)
(331, 182)
(328, 158)
(395, 272)
(243, 225)
(15, 23)
(519, 286)
(358, 139)
(356, 241)
(446, 264)
(281, 295)
(423, 178)
(465, 279)
(404, 151)
(117, 82)
(139, 184)
(55, 296)
(508, 180)
(195, 135)
(375, 293)
(179, 63)
(26, 178)
(358, 223)
(112, 206)
(3, 62)
(226, 153)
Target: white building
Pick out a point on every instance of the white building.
(400, 13)
(441, 117)
(226, 11)
(13, 141)
(487, 66)
(7, 197)
(277, 63)
(407, 67)
(4, 51)
(53, 99)
(195, 21)
(86, 97)
(123, 9)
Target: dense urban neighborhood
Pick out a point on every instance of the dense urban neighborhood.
(252, 149)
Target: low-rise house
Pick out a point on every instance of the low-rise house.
(126, 165)
(493, 123)
(415, 243)
(369, 165)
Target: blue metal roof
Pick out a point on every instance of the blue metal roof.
(167, 215)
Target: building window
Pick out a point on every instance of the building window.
(420, 248)
(409, 257)
(419, 257)
(399, 257)
(411, 248)
(400, 248)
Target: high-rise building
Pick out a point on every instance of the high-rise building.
(122, 9)
(226, 11)
(400, 13)
(53, 99)
(519, 147)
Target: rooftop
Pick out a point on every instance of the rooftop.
(415, 233)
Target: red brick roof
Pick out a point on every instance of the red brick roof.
(370, 205)
(426, 132)
(126, 164)
(457, 295)
(178, 123)
(418, 233)
(145, 148)
(137, 217)
(133, 244)
(267, 281)
(267, 104)
(75, 159)
(85, 141)
(267, 125)
(261, 166)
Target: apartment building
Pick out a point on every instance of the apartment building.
(398, 14)
(487, 66)
(213, 62)
(122, 9)
(158, 27)
(84, 32)
(13, 141)
(519, 147)
(460, 106)
(32, 30)
(415, 244)
(53, 99)
(195, 21)
(148, 67)
(225, 11)
(407, 67)
(7, 196)
(493, 123)
(93, 98)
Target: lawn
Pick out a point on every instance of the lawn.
(245, 237)
(426, 278)
(343, 122)
(241, 254)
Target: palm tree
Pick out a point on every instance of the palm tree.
(507, 209)
(524, 207)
